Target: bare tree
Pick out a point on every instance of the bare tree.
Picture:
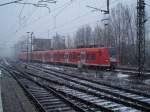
(123, 24)
(83, 37)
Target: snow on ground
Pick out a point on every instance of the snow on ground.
(147, 81)
(53, 67)
(121, 75)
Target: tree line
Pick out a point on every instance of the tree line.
(120, 31)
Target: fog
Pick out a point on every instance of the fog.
(65, 17)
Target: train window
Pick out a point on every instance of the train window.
(70, 56)
(39, 55)
(53, 56)
(73, 56)
(65, 56)
(61, 55)
(91, 57)
(78, 56)
(49, 55)
(56, 55)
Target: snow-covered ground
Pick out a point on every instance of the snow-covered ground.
(114, 78)
(121, 75)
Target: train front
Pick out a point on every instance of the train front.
(114, 57)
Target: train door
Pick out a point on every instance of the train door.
(52, 57)
(43, 58)
(66, 56)
(82, 57)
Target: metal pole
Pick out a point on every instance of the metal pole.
(31, 46)
(108, 6)
(28, 48)
(141, 35)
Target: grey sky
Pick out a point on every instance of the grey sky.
(39, 21)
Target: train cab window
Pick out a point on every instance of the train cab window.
(112, 52)
(93, 57)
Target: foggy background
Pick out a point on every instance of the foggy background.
(65, 17)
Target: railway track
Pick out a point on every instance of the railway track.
(131, 71)
(125, 70)
(117, 96)
(131, 68)
(76, 75)
(48, 99)
(89, 92)
(96, 102)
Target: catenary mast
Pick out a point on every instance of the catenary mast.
(141, 35)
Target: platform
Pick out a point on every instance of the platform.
(13, 97)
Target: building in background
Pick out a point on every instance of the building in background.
(41, 44)
(37, 44)
(58, 42)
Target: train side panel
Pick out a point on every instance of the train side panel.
(86, 56)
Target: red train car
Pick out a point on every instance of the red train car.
(101, 57)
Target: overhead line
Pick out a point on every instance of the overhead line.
(20, 13)
(68, 4)
(74, 19)
(62, 25)
(16, 1)
(39, 18)
(87, 22)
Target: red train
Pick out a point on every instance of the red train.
(99, 57)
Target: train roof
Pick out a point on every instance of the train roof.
(74, 50)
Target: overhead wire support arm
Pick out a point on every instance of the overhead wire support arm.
(146, 4)
(48, 1)
(16, 1)
(97, 9)
(101, 10)
(147, 18)
(36, 5)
